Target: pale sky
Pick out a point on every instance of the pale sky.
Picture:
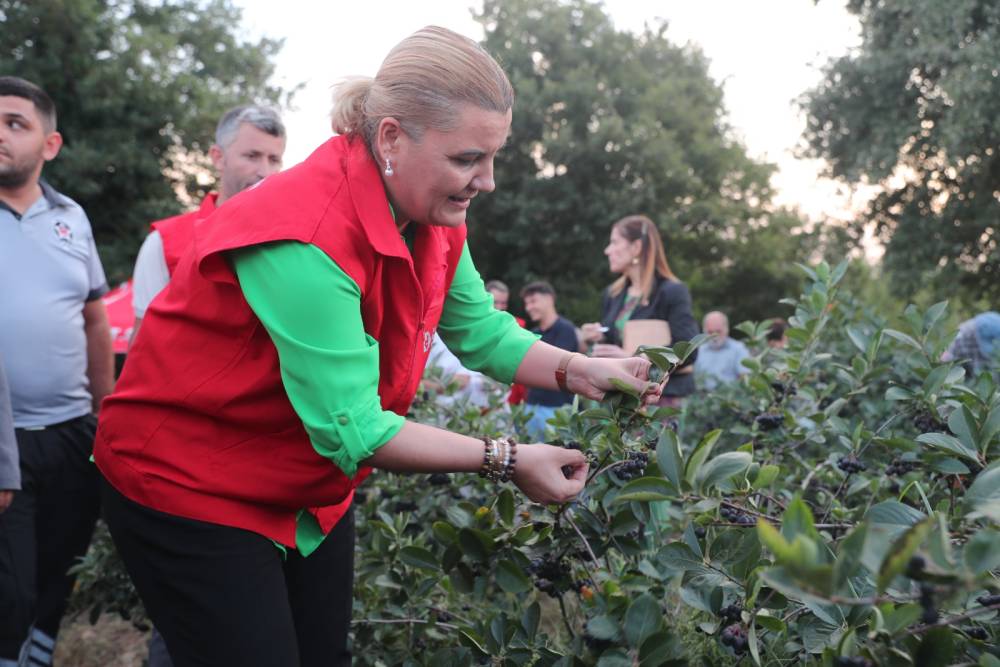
(765, 53)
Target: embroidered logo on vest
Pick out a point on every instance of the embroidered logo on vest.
(428, 340)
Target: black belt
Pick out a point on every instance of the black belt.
(68, 422)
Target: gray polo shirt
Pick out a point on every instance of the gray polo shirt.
(48, 269)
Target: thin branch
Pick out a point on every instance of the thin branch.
(410, 621)
(590, 552)
(954, 619)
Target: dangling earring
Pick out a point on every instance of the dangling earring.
(635, 260)
(388, 168)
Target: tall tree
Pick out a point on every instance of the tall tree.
(138, 86)
(916, 110)
(609, 123)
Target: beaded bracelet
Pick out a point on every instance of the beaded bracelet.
(499, 459)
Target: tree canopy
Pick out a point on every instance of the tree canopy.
(916, 110)
(139, 87)
(609, 123)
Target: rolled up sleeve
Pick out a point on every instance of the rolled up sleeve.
(329, 366)
(483, 338)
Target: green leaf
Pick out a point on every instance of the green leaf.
(902, 551)
(904, 338)
(898, 394)
(893, 513)
(505, 507)
(530, 620)
(659, 649)
(646, 489)
(444, 532)
(798, 520)
(723, 467)
(615, 657)
(643, 618)
(949, 444)
(849, 555)
(624, 387)
(668, 457)
(766, 475)
(475, 544)
(419, 558)
(983, 497)
(678, 557)
(936, 648)
(770, 623)
(602, 627)
(963, 425)
(512, 578)
(933, 315)
(982, 551)
(700, 453)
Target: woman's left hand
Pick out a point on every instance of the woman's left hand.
(591, 377)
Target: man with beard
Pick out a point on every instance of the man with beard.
(55, 342)
(249, 146)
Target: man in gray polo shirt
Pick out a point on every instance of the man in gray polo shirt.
(56, 348)
(10, 471)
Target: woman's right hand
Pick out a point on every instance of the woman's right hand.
(539, 473)
(592, 332)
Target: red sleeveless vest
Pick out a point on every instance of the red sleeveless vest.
(199, 424)
(176, 232)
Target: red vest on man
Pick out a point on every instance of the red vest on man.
(176, 232)
(199, 424)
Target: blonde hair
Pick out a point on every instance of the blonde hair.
(652, 256)
(422, 83)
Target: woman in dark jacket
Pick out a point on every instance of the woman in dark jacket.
(646, 290)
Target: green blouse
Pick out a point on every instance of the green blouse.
(311, 309)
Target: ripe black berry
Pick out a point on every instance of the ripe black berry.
(901, 467)
(733, 515)
(988, 600)
(735, 637)
(930, 614)
(977, 633)
(700, 532)
(850, 464)
(925, 422)
(404, 506)
(856, 661)
(730, 613)
(438, 479)
(915, 567)
(769, 421)
(443, 616)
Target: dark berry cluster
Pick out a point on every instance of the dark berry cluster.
(768, 421)
(404, 506)
(442, 616)
(851, 464)
(594, 644)
(548, 571)
(731, 613)
(733, 515)
(925, 422)
(438, 479)
(735, 637)
(988, 600)
(854, 661)
(977, 633)
(633, 466)
(915, 568)
(930, 614)
(901, 467)
(782, 390)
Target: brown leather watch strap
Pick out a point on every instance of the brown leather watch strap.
(561, 371)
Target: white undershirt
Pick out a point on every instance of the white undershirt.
(150, 275)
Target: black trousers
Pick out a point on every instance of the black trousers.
(46, 529)
(224, 596)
